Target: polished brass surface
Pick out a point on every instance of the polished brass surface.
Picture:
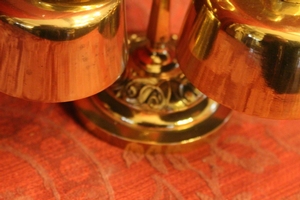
(152, 103)
(64, 51)
(69, 5)
(158, 31)
(151, 107)
(245, 54)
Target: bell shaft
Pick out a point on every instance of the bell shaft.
(159, 24)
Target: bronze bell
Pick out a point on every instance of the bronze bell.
(245, 54)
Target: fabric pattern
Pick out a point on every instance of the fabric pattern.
(46, 154)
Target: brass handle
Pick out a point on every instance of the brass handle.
(159, 30)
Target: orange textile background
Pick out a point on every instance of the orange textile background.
(46, 154)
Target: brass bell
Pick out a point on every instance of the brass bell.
(55, 51)
(245, 54)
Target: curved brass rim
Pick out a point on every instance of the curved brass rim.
(96, 114)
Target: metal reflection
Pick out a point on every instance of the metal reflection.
(57, 54)
(204, 33)
(254, 58)
(69, 5)
(106, 17)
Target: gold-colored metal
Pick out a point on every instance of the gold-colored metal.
(69, 5)
(158, 31)
(54, 51)
(152, 103)
(151, 107)
(245, 54)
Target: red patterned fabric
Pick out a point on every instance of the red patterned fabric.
(46, 154)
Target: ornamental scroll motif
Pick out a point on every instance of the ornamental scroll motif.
(156, 94)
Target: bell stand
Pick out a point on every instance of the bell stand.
(152, 103)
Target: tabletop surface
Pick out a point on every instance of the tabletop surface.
(46, 154)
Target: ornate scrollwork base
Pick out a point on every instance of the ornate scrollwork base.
(151, 103)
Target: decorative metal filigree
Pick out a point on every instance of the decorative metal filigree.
(153, 81)
(155, 93)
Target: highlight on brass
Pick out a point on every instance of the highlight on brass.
(55, 51)
(69, 5)
(245, 54)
